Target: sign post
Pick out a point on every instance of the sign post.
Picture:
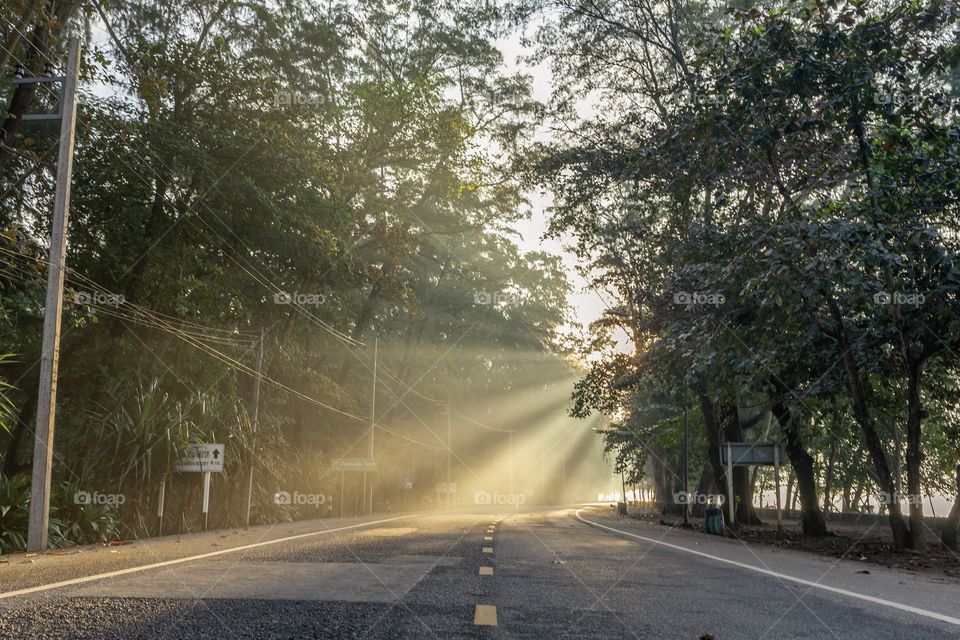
(202, 458)
(206, 498)
(730, 500)
(406, 484)
(160, 501)
(776, 483)
(745, 454)
(205, 459)
(364, 465)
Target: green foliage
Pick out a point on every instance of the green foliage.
(359, 153)
(14, 512)
(80, 523)
(68, 524)
(794, 167)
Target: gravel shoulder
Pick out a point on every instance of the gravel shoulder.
(870, 544)
(26, 570)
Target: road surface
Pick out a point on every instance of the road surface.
(575, 572)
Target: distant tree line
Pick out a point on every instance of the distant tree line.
(769, 191)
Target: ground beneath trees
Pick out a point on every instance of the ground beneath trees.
(870, 543)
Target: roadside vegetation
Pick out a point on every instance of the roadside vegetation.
(327, 174)
(768, 193)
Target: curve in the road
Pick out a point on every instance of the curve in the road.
(810, 583)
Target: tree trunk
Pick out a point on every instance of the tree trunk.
(914, 457)
(742, 488)
(949, 534)
(858, 394)
(23, 94)
(54, 15)
(828, 481)
(663, 495)
(811, 518)
(711, 428)
(705, 486)
(363, 319)
(857, 496)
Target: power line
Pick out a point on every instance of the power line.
(483, 426)
(247, 267)
(163, 325)
(259, 277)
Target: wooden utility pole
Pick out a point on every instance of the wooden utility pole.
(50, 353)
(449, 448)
(510, 447)
(255, 422)
(373, 422)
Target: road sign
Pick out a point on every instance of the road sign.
(406, 482)
(446, 487)
(750, 453)
(745, 454)
(201, 458)
(353, 464)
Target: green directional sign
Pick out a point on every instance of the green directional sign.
(354, 464)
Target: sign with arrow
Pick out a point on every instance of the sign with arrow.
(353, 464)
(203, 458)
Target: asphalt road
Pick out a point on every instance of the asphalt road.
(539, 573)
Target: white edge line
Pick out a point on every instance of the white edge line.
(167, 563)
(852, 594)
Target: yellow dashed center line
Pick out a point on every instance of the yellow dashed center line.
(486, 615)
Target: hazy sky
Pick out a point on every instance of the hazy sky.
(587, 304)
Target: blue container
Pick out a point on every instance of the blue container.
(714, 521)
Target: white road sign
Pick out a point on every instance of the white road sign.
(201, 458)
